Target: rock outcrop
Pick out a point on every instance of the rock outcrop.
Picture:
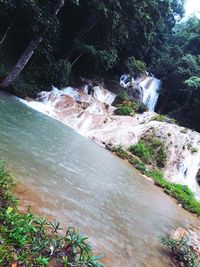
(93, 116)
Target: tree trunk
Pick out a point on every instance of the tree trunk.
(5, 36)
(25, 57)
(8, 81)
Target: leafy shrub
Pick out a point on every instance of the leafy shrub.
(6, 184)
(155, 174)
(181, 251)
(108, 58)
(142, 151)
(193, 83)
(30, 240)
(150, 150)
(135, 66)
(58, 73)
(123, 110)
(122, 96)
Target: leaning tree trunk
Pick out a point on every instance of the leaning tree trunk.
(4, 37)
(25, 57)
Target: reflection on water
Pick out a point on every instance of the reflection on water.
(72, 179)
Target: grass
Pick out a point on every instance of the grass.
(123, 110)
(150, 150)
(164, 118)
(32, 241)
(191, 148)
(181, 193)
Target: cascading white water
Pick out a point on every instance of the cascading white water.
(189, 167)
(150, 88)
(72, 98)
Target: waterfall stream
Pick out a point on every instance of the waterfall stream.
(150, 88)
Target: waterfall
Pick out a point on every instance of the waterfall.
(103, 95)
(150, 88)
(50, 101)
(189, 168)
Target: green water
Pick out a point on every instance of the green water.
(74, 180)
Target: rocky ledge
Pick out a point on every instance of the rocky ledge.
(92, 115)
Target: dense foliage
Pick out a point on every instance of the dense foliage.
(151, 151)
(29, 240)
(178, 65)
(54, 42)
(181, 251)
(91, 37)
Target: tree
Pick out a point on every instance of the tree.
(25, 57)
(192, 84)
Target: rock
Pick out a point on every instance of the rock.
(93, 117)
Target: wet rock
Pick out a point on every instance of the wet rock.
(198, 176)
(135, 91)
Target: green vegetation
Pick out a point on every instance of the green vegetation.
(122, 96)
(181, 250)
(126, 105)
(194, 150)
(163, 118)
(150, 150)
(128, 32)
(38, 47)
(191, 148)
(135, 67)
(123, 110)
(142, 151)
(181, 193)
(121, 152)
(29, 240)
(178, 65)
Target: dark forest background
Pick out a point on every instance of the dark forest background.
(53, 42)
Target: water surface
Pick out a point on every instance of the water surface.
(76, 181)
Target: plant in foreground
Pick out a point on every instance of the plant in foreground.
(181, 250)
(32, 241)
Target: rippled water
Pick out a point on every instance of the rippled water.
(72, 179)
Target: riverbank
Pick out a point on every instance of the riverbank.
(29, 240)
(181, 193)
(93, 117)
(66, 174)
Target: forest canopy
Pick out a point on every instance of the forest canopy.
(53, 42)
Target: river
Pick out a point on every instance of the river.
(67, 176)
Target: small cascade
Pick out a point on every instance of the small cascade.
(150, 88)
(189, 169)
(103, 95)
(69, 101)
